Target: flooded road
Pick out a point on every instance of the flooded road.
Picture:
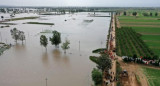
(29, 64)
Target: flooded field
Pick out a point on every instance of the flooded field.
(29, 64)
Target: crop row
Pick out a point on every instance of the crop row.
(129, 43)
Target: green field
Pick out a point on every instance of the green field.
(153, 76)
(129, 43)
(147, 26)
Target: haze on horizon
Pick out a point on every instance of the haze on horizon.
(97, 3)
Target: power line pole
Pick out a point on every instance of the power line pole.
(46, 81)
(79, 45)
(101, 44)
(1, 36)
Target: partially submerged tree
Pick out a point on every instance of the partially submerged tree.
(14, 33)
(21, 36)
(44, 41)
(17, 35)
(2, 17)
(56, 38)
(65, 45)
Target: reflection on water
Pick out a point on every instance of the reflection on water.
(60, 57)
(19, 47)
(45, 59)
(56, 54)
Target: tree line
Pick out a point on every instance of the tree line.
(144, 13)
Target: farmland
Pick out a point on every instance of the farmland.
(147, 26)
(153, 76)
(129, 43)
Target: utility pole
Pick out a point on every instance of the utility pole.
(101, 44)
(79, 45)
(1, 36)
(6, 41)
(46, 81)
(79, 49)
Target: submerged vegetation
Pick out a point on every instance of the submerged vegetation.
(23, 18)
(65, 45)
(3, 47)
(56, 38)
(99, 50)
(44, 41)
(40, 23)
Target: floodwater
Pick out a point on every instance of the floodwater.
(29, 64)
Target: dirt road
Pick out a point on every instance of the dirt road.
(135, 74)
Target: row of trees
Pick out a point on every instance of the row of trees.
(144, 14)
(129, 43)
(149, 14)
(55, 40)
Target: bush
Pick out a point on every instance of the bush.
(94, 59)
(99, 50)
(97, 76)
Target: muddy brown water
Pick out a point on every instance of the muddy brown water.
(29, 64)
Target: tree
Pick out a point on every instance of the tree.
(65, 45)
(134, 56)
(104, 62)
(44, 41)
(156, 14)
(17, 35)
(125, 13)
(97, 76)
(14, 33)
(21, 36)
(56, 38)
(155, 57)
(134, 13)
(150, 14)
(2, 17)
(145, 14)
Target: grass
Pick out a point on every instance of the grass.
(153, 76)
(40, 23)
(23, 18)
(138, 79)
(147, 26)
(151, 37)
(155, 30)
